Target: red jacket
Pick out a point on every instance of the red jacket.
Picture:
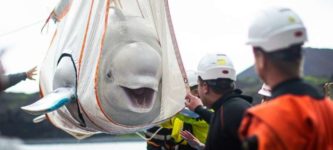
(297, 118)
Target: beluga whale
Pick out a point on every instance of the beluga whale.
(113, 66)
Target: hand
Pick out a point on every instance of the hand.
(192, 140)
(30, 73)
(192, 101)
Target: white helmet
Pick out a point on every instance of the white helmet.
(265, 90)
(276, 28)
(214, 66)
(192, 78)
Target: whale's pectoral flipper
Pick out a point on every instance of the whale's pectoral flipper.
(51, 102)
(39, 119)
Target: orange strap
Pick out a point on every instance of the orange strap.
(153, 143)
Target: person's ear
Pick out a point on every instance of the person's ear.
(205, 88)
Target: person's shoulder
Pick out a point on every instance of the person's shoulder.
(238, 102)
(273, 110)
(236, 106)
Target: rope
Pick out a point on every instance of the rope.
(20, 28)
(148, 139)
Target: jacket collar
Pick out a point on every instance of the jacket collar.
(295, 86)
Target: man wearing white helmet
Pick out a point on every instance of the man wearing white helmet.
(297, 116)
(216, 88)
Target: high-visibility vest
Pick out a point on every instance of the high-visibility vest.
(172, 128)
(198, 127)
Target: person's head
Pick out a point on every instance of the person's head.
(193, 82)
(265, 92)
(276, 36)
(216, 76)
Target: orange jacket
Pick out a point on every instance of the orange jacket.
(295, 119)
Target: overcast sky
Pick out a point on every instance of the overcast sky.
(202, 26)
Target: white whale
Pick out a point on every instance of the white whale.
(112, 67)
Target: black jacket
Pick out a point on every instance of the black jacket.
(224, 123)
(7, 81)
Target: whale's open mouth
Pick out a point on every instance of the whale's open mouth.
(141, 98)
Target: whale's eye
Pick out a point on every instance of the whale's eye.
(109, 75)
